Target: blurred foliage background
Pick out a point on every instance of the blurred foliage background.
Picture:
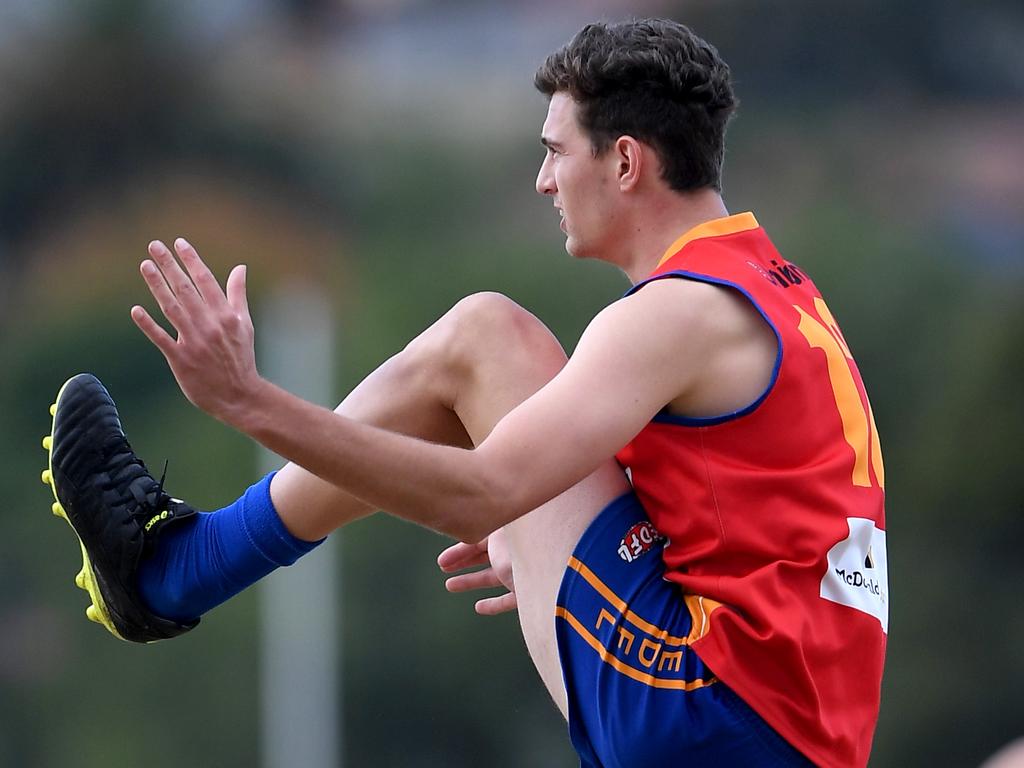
(387, 149)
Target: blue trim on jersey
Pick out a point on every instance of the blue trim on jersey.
(664, 416)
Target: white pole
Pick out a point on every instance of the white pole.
(300, 671)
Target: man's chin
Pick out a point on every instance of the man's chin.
(572, 246)
(576, 249)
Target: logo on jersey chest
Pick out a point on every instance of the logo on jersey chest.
(638, 541)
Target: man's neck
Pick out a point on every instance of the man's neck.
(661, 222)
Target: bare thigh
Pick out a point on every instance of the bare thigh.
(517, 356)
(540, 545)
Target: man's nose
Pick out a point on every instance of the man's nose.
(545, 179)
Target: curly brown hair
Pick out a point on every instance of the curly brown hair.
(654, 80)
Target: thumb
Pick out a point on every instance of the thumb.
(236, 294)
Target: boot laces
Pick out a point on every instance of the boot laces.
(132, 482)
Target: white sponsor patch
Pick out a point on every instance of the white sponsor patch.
(857, 574)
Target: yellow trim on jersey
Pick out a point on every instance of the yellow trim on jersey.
(700, 609)
(727, 225)
(628, 671)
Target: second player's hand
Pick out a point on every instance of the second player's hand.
(212, 357)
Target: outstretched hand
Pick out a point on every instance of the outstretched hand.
(491, 552)
(213, 356)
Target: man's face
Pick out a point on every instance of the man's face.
(581, 185)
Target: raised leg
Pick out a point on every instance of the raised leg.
(452, 384)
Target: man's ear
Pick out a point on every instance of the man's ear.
(630, 155)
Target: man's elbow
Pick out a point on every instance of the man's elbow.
(470, 531)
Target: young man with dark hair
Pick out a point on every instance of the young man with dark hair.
(706, 462)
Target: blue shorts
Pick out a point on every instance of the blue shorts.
(639, 696)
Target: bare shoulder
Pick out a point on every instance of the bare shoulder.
(679, 307)
(709, 338)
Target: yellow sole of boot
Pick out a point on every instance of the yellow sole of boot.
(85, 579)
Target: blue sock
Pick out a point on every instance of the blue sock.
(201, 562)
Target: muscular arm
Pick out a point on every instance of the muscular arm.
(607, 391)
(637, 355)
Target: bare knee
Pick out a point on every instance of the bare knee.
(488, 325)
(481, 328)
(482, 358)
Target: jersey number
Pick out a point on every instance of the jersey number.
(858, 425)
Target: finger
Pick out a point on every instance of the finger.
(462, 555)
(160, 338)
(469, 581)
(163, 294)
(492, 606)
(180, 284)
(237, 298)
(468, 560)
(201, 275)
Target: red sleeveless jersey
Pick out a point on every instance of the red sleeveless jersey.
(774, 514)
